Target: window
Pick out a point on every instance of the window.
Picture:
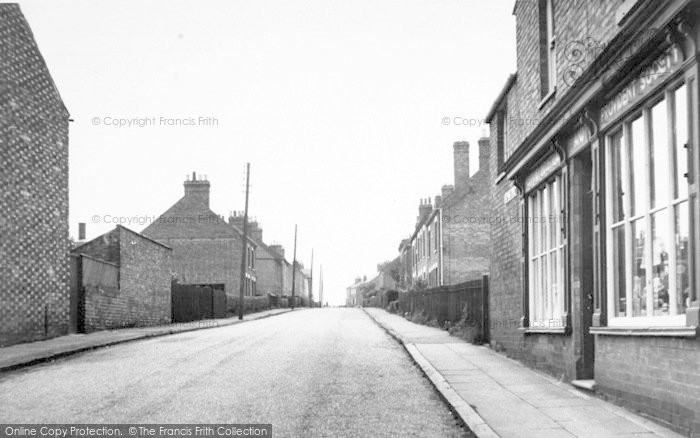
(546, 255)
(436, 234)
(548, 60)
(429, 241)
(648, 228)
(501, 137)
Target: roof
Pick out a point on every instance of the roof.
(190, 218)
(420, 224)
(504, 92)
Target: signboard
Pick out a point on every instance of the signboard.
(642, 85)
(577, 140)
(511, 194)
(542, 171)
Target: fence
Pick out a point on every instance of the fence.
(465, 303)
(192, 302)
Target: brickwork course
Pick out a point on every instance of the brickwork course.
(655, 375)
(34, 273)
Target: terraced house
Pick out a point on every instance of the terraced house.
(450, 243)
(595, 152)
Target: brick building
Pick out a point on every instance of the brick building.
(206, 249)
(594, 257)
(273, 271)
(450, 243)
(34, 279)
(125, 280)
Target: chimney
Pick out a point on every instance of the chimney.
(484, 154)
(255, 231)
(447, 190)
(461, 164)
(279, 249)
(438, 201)
(197, 188)
(81, 231)
(424, 209)
(358, 280)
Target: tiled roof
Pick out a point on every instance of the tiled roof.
(190, 218)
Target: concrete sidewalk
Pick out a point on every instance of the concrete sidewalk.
(497, 396)
(21, 355)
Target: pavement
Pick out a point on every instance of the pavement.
(328, 372)
(21, 355)
(497, 396)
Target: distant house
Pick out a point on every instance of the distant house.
(375, 292)
(122, 279)
(354, 292)
(273, 271)
(206, 249)
(451, 240)
(34, 273)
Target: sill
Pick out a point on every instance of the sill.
(677, 332)
(548, 97)
(544, 331)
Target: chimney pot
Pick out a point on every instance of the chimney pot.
(81, 231)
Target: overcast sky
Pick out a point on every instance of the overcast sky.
(337, 105)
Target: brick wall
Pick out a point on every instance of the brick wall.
(578, 24)
(466, 226)
(505, 281)
(269, 273)
(657, 376)
(132, 289)
(145, 279)
(207, 261)
(34, 279)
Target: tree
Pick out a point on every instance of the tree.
(391, 268)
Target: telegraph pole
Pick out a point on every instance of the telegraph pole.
(311, 280)
(244, 246)
(320, 288)
(294, 265)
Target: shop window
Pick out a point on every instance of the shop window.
(546, 255)
(648, 230)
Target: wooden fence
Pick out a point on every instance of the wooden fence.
(465, 302)
(192, 302)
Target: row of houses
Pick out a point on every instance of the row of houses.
(588, 217)
(49, 286)
(188, 245)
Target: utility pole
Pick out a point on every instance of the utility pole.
(320, 287)
(294, 265)
(311, 280)
(244, 246)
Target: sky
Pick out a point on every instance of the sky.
(345, 110)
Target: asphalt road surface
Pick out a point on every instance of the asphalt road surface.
(314, 372)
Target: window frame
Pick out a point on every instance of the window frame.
(673, 199)
(542, 306)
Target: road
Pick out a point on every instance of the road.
(313, 372)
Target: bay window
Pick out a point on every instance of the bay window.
(647, 221)
(546, 255)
